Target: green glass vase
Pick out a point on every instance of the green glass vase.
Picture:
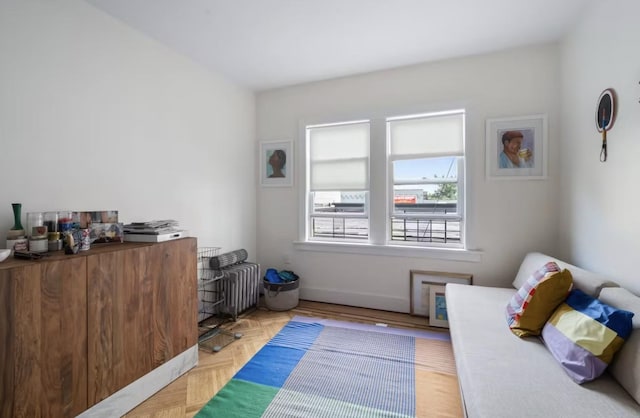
(17, 215)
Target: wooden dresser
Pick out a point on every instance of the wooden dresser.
(78, 329)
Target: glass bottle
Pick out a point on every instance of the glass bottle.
(51, 221)
(65, 221)
(37, 232)
(35, 225)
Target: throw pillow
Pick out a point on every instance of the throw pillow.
(535, 301)
(584, 333)
(626, 366)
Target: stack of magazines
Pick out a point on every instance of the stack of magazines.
(153, 231)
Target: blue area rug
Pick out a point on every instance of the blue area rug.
(323, 368)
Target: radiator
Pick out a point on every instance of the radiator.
(230, 291)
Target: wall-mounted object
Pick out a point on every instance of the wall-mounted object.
(517, 147)
(276, 163)
(605, 117)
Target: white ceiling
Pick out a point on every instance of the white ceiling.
(263, 44)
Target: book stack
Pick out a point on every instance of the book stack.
(153, 231)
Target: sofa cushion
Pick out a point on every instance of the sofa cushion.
(531, 306)
(584, 333)
(589, 282)
(626, 365)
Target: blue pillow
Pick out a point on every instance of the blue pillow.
(583, 334)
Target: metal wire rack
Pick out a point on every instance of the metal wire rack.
(211, 304)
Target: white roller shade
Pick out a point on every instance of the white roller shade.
(339, 157)
(428, 136)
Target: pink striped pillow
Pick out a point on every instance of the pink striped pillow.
(532, 305)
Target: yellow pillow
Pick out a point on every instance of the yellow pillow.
(532, 305)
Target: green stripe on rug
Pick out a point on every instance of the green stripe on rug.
(239, 399)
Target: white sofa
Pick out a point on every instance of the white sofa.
(502, 375)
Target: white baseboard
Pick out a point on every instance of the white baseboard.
(363, 300)
(137, 392)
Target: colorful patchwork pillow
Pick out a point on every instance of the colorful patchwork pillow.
(584, 333)
(626, 365)
(536, 300)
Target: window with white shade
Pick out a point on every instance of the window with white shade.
(387, 181)
(338, 181)
(426, 172)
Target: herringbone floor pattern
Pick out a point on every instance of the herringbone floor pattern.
(187, 395)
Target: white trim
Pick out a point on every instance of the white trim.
(410, 182)
(304, 199)
(425, 215)
(347, 122)
(462, 196)
(451, 254)
(426, 115)
(352, 215)
(137, 392)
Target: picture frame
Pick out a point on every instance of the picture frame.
(420, 283)
(516, 147)
(273, 172)
(438, 307)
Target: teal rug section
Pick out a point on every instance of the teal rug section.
(239, 399)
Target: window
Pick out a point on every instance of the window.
(426, 155)
(338, 181)
(387, 181)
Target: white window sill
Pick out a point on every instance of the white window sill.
(451, 254)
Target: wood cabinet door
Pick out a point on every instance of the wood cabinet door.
(175, 299)
(120, 319)
(142, 312)
(43, 337)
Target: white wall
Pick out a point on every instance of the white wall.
(96, 116)
(506, 218)
(599, 226)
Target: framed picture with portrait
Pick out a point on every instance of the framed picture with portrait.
(276, 163)
(517, 147)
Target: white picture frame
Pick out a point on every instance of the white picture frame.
(273, 173)
(438, 307)
(420, 282)
(531, 163)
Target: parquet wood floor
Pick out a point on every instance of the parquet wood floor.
(185, 396)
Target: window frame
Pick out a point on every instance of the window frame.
(460, 183)
(338, 215)
(378, 243)
(310, 212)
(458, 216)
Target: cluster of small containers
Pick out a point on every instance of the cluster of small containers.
(44, 232)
